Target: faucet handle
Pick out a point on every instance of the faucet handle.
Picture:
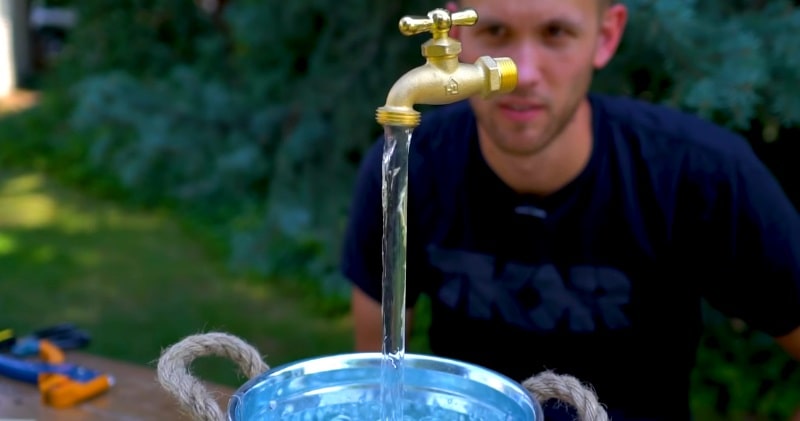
(466, 17)
(438, 22)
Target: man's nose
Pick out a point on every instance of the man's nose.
(528, 65)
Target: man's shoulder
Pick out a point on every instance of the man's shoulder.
(661, 126)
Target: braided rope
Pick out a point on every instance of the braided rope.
(175, 378)
(565, 388)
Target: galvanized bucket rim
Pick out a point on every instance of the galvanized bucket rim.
(313, 365)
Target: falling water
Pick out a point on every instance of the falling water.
(394, 195)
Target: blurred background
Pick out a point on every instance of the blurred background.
(175, 166)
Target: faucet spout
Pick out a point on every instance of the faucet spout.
(443, 79)
(438, 84)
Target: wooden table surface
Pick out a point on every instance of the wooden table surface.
(136, 395)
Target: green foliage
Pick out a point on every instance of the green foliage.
(180, 137)
(720, 59)
(142, 37)
(258, 118)
(742, 371)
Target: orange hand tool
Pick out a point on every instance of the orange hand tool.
(61, 384)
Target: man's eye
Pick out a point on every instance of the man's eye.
(555, 32)
(496, 31)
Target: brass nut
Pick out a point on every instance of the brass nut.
(501, 74)
(434, 49)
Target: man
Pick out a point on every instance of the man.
(558, 229)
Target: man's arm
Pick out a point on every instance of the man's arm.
(791, 343)
(750, 230)
(367, 322)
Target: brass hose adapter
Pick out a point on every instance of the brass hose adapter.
(443, 79)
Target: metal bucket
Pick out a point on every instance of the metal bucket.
(347, 387)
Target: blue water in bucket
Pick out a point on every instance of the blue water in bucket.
(347, 387)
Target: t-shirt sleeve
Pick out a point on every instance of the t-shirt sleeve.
(361, 261)
(752, 233)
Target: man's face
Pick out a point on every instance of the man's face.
(556, 45)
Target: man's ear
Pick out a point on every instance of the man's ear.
(455, 31)
(612, 26)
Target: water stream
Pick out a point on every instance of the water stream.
(393, 306)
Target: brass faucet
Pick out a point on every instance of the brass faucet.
(443, 79)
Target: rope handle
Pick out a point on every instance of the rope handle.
(568, 389)
(174, 376)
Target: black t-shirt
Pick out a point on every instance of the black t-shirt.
(603, 279)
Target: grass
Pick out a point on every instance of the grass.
(139, 283)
